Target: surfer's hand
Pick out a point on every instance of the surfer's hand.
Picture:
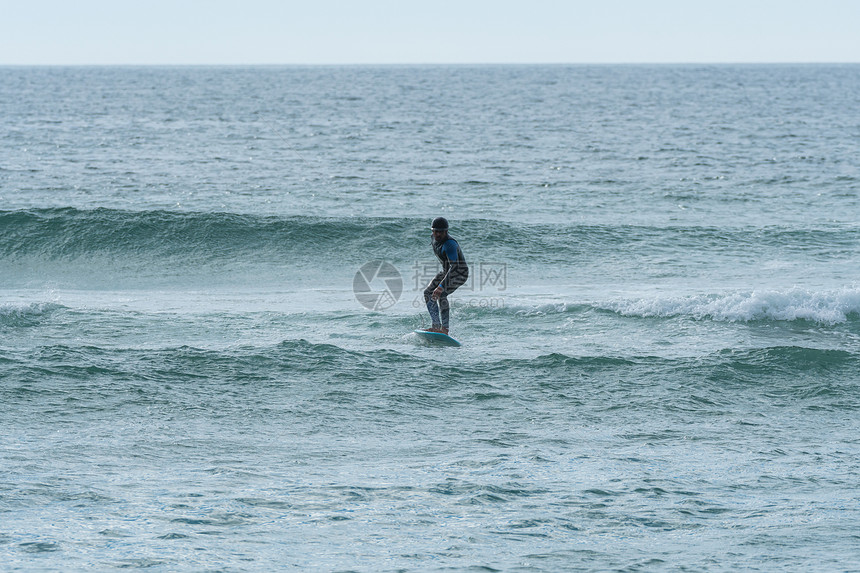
(437, 293)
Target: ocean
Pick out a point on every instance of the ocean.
(209, 279)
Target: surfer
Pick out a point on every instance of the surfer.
(454, 273)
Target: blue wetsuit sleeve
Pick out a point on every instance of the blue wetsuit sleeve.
(450, 249)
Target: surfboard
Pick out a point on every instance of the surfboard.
(437, 338)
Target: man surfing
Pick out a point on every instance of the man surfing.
(454, 273)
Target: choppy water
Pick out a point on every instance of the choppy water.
(661, 341)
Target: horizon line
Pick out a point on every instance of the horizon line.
(428, 64)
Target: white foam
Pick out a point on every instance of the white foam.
(27, 310)
(827, 307)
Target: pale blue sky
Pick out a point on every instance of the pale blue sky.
(430, 31)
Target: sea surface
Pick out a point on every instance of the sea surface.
(209, 279)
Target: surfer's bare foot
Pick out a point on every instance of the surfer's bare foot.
(443, 330)
(434, 328)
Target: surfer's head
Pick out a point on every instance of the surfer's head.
(439, 226)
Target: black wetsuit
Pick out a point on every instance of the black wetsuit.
(455, 272)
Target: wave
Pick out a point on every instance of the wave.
(340, 369)
(144, 249)
(826, 377)
(827, 307)
(67, 233)
(287, 362)
(782, 357)
(796, 304)
(771, 358)
(12, 315)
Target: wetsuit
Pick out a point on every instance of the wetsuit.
(454, 273)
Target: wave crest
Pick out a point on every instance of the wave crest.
(825, 307)
(16, 315)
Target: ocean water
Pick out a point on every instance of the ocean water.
(202, 368)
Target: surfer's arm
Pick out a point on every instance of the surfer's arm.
(450, 251)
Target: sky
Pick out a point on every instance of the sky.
(240, 32)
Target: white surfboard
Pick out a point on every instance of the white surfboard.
(437, 338)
